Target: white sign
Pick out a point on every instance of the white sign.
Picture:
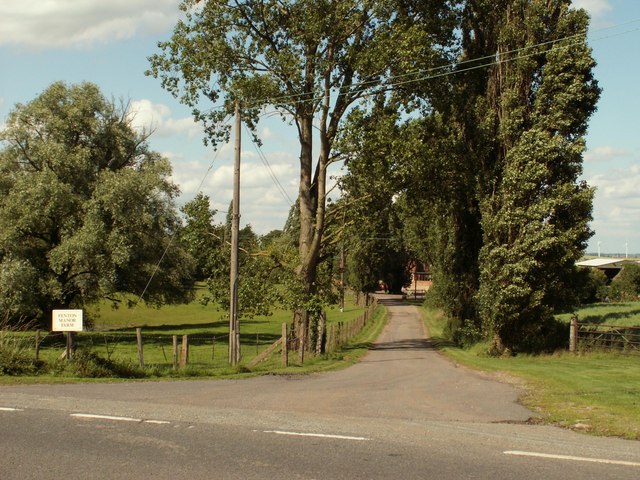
(66, 321)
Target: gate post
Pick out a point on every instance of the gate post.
(573, 335)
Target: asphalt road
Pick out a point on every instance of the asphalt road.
(403, 412)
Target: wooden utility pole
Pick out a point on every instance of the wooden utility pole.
(342, 278)
(234, 325)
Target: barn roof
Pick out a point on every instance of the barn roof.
(602, 262)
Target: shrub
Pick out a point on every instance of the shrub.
(87, 364)
(626, 285)
(16, 360)
(595, 285)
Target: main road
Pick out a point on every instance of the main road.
(403, 412)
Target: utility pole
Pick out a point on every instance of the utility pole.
(234, 324)
(342, 278)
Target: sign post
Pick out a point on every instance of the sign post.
(68, 321)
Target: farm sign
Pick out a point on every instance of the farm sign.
(66, 321)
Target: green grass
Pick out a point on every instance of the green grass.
(597, 392)
(208, 339)
(198, 318)
(618, 314)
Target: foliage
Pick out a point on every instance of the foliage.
(535, 221)
(87, 209)
(371, 228)
(440, 214)
(202, 238)
(626, 285)
(259, 271)
(593, 285)
(310, 60)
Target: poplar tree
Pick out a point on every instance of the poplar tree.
(539, 95)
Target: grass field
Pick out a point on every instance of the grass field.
(597, 393)
(113, 337)
(619, 314)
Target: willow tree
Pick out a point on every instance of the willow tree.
(86, 209)
(310, 60)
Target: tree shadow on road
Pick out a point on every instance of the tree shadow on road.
(407, 344)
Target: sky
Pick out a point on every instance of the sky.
(108, 43)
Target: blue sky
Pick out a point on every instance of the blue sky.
(42, 41)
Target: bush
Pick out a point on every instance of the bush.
(595, 286)
(463, 333)
(625, 286)
(15, 360)
(87, 364)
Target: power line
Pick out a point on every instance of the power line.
(172, 236)
(452, 68)
(272, 174)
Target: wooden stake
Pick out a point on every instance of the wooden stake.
(184, 352)
(285, 346)
(175, 352)
(139, 341)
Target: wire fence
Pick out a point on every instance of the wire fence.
(166, 350)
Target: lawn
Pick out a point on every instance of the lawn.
(597, 393)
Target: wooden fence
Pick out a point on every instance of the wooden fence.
(589, 337)
(176, 351)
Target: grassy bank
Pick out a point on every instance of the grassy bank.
(597, 393)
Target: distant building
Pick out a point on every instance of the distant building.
(610, 266)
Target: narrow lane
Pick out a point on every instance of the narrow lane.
(402, 411)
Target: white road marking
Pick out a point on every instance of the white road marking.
(9, 409)
(319, 435)
(106, 417)
(118, 419)
(572, 458)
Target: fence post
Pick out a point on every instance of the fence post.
(573, 335)
(38, 344)
(69, 349)
(139, 341)
(184, 352)
(175, 352)
(285, 346)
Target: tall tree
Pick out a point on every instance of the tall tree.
(310, 59)
(539, 95)
(202, 237)
(87, 209)
(375, 147)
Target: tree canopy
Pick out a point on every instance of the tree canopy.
(86, 209)
(310, 60)
(473, 168)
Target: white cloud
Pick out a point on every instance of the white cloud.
(42, 24)
(596, 8)
(617, 209)
(266, 133)
(605, 154)
(262, 205)
(156, 118)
